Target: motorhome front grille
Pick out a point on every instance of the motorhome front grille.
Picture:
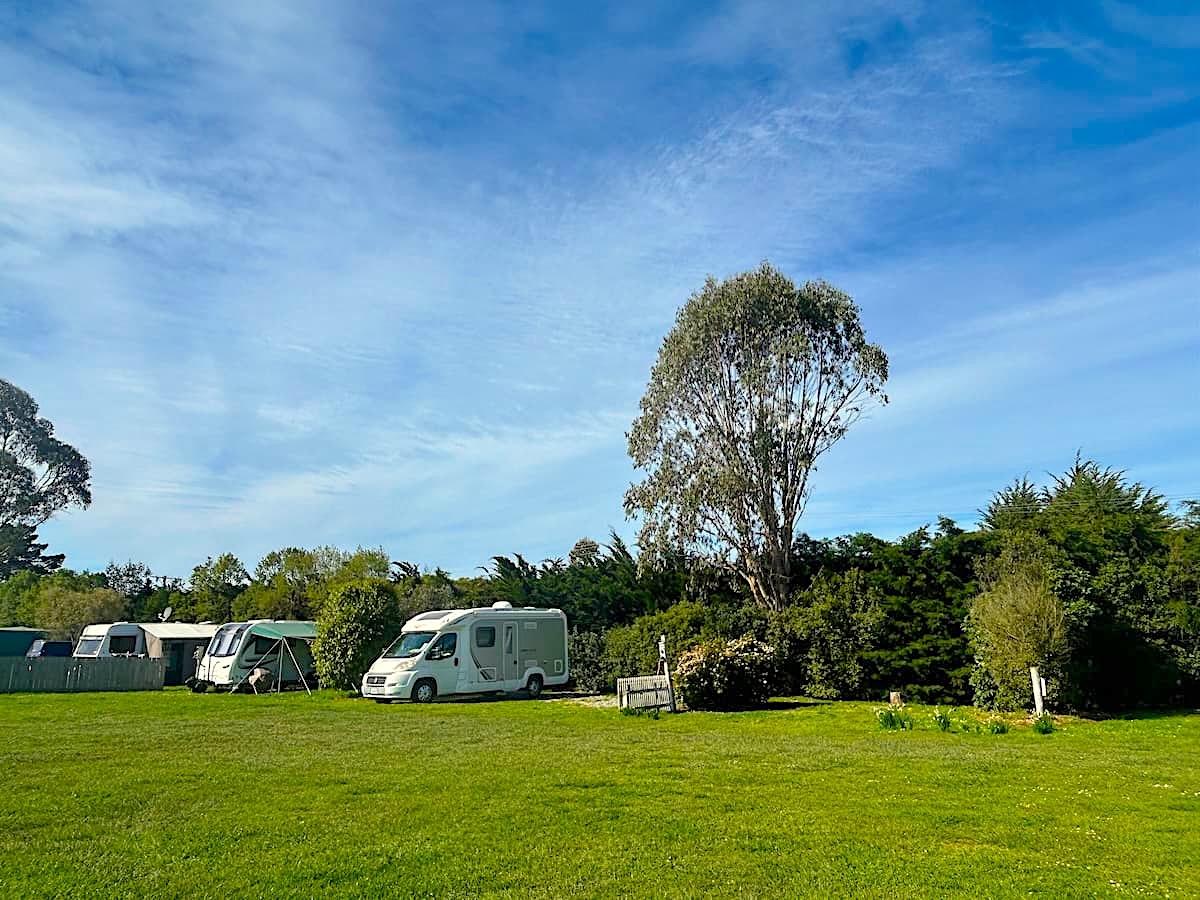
(376, 679)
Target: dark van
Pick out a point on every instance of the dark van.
(40, 648)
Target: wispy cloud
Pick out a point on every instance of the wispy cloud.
(322, 272)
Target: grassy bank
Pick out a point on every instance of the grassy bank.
(175, 794)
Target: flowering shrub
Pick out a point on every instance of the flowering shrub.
(726, 675)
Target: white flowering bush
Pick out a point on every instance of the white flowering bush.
(726, 675)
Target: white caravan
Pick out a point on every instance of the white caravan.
(283, 648)
(115, 639)
(176, 642)
(472, 651)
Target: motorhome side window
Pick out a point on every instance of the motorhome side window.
(443, 647)
(485, 636)
(122, 643)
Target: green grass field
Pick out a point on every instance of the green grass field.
(179, 795)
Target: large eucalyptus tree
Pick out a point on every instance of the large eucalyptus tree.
(757, 379)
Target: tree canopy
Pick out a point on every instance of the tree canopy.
(21, 551)
(755, 382)
(39, 474)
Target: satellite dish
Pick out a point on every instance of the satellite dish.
(165, 614)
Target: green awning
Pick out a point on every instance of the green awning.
(305, 631)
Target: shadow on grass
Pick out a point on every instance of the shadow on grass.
(1141, 715)
(492, 698)
(785, 703)
(780, 704)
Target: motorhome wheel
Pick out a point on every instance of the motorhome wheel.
(534, 687)
(425, 691)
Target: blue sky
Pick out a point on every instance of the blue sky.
(363, 274)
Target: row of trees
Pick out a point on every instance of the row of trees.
(287, 584)
(1090, 578)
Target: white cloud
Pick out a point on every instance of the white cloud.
(277, 299)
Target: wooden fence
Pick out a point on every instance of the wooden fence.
(644, 692)
(59, 675)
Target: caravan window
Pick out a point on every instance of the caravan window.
(408, 645)
(262, 645)
(89, 646)
(485, 636)
(226, 640)
(122, 643)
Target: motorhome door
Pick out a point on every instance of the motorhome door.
(511, 662)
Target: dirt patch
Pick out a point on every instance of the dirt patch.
(596, 700)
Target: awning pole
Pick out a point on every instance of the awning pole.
(299, 674)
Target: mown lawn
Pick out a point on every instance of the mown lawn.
(179, 795)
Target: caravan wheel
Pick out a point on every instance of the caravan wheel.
(534, 687)
(199, 687)
(424, 691)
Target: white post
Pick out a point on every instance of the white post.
(1038, 688)
(662, 658)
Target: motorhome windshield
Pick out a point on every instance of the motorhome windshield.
(409, 645)
(225, 642)
(89, 646)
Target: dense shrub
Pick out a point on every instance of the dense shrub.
(589, 667)
(726, 675)
(822, 640)
(633, 649)
(1016, 622)
(356, 622)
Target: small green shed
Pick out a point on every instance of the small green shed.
(15, 641)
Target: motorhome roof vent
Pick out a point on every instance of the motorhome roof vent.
(433, 614)
(501, 604)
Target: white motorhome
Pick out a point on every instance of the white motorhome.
(282, 648)
(492, 649)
